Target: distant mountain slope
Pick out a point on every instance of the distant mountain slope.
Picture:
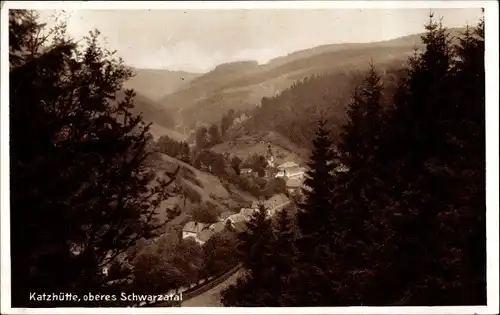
(294, 112)
(413, 40)
(152, 112)
(242, 85)
(150, 85)
(410, 40)
(156, 83)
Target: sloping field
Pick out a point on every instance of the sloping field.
(282, 148)
(206, 185)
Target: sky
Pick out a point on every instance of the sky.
(199, 40)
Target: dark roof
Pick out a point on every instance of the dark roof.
(240, 226)
(294, 183)
(194, 227)
(276, 201)
(205, 235)
(218, 227)
(224, 215)
(247, 212)
(237, 217)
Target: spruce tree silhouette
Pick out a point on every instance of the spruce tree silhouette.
(255, 288)
(425, 259)
(405, 225)
(80, 192)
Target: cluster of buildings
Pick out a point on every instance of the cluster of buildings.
(291, 172)
(202, 232)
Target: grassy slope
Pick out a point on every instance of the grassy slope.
(209, 187)
(249, 145)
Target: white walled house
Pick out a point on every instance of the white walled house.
(194, 229)
(218, 227)
(246, 171)
(290, 170)
(288, 164)
(294, 185)
(237, 217)
(276, 203)
(247, 212)
(273, 204)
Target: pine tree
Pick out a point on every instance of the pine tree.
(406, 224)
(418, 152)
(214, 136)
(363, 127)
(314, 213)
(462, 170)
(357, 193)
(81, 194)
(358, 151)
(255, 243)
(284, 261)
(313, 281)
(256, 252)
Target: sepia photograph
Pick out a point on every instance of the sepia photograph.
(233, 156)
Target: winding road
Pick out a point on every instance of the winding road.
(212, 297)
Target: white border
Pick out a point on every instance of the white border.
(492, 179)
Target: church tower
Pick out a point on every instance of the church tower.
(270, 156)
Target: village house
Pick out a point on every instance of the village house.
(218, 227)
(240, 119)
(237, 217)
(246, 171)
(290, 170)
(224, 215)
(239, 227)
(294, 185)
(247, 212)
(341, 169)
(237, 222)
(194, 229)
(273, 204)
(205, 235)
(276, 203)
(255, 204)
(268, 173)
(227, 157)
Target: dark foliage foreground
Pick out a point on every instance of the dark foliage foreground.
(81, 194)
(406, 224)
